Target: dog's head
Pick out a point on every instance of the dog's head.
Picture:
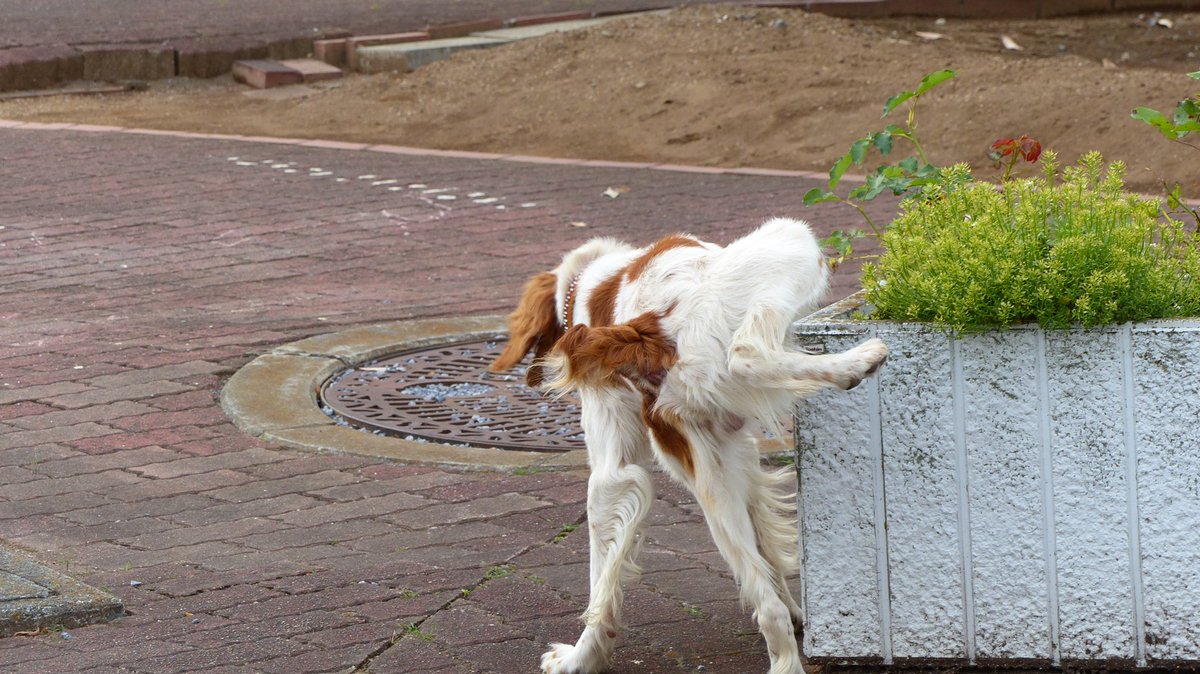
(533, 326)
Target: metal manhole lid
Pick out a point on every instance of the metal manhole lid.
(445, 394)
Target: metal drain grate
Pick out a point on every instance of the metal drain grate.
(445, 394)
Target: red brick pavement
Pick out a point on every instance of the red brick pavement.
(124, 22)
(141, 270)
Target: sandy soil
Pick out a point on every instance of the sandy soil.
(729, 86)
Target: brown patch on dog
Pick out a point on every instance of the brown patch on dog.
(638, 350)
(667, 430)
(533, 325)
(635, 269)
(602, 304)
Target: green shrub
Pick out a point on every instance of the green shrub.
(1077, 250)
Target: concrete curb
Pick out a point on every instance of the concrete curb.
(274, 397)
(34, 597)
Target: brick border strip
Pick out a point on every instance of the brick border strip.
(274, 397)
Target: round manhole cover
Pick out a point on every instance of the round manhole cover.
(445, 394)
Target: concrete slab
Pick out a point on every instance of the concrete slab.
(35, 597)
(263, 74)
(412, 55)
(353, 44)
(312, 69)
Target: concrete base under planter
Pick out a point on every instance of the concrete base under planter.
(1011, 497)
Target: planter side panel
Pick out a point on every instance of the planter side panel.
(1085, 386)
(1167, 378)
(1000, 430)
(922, 492)
(839, 545)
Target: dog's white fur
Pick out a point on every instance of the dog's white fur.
(722, 314)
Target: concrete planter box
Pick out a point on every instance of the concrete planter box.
(1013, 497)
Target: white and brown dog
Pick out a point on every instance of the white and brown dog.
(672, 348)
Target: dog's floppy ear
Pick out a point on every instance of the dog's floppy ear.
(532, 326)
(638, 349)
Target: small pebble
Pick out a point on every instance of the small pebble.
(135, 583)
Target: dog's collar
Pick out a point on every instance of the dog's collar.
(569, 303)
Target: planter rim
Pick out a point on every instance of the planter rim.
(839, 318)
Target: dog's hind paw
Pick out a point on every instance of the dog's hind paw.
(864, 360)
(567, 659)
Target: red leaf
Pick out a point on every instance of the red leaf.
(1004, 146)
(1030, 149)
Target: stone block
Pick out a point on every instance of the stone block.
(353, 44)
(313, 70)
(538, 19)
(289, 48)
(331, 51)
(414, 55)
(262, 74)
(128, 62)
(462, 28)
(210, 58)
(39, 67)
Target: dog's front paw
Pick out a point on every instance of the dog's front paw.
(864, 360)
(567, 659)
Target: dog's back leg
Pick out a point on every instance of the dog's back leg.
(773, 511)
(752, 534)
(620, 492)
(757, 356)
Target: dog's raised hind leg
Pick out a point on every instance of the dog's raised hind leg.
(757, 356)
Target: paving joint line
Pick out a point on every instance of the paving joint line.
(464, 594)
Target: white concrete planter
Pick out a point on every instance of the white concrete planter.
(1014, 496)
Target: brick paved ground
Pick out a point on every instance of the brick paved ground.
(140, 271)
(50, 22)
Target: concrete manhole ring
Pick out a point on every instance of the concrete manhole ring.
(445, 393)
(278, 398)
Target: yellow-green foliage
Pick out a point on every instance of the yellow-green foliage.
(1080, 250)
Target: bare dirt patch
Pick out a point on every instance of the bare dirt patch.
(728, 86)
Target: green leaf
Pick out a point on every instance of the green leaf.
(1187, 111)
(1195, 75)
(839, 170)
(883, 142)
(927, 171)
(859, 150)
(1156, 119)
(933, 79)
(895, 101)
(909, 165)
(818, 196)
(1175, 196)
